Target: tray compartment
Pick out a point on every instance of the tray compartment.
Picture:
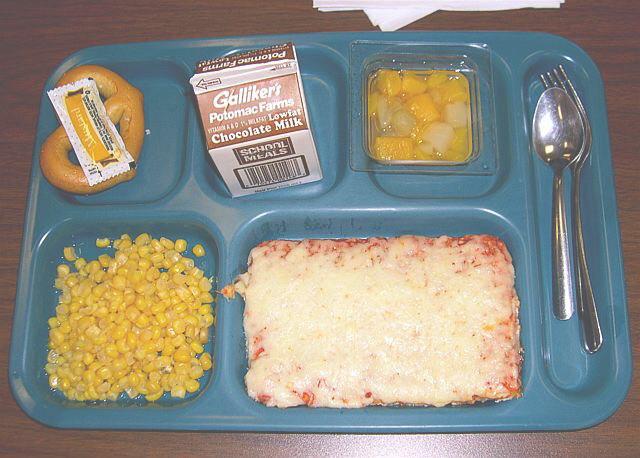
(82, 233)
(568, 366)
(163, 157)
(325, 87)
(497, 144)
(360, 223)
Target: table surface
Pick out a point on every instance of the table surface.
(37, 35)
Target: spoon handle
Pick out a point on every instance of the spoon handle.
(562, 282)
(591, 332)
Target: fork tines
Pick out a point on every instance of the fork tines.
(555, 78)
(558, 78)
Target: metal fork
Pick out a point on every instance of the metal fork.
(587, 311)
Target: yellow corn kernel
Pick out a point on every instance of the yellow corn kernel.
(167, 243)
(122, 346)
(89, 377)
(178, 340)
(156, 258)
(198, 250)
(69, 253)
(188, 263)
(191, 386)
(179, 326)
(88, 358)
(195, 346)
(144, 251)
(206, 298)
(197, 273)
(103, 243)
(104, 373)
(196, 372)
(144, 264)
(56, 336)
(156, 246)
(154, 396)
(155, 377)
(134, 379)
(53, 381)
(178, 391)
(63, 270)
(180, 245)
(104, 260)
(203, 336)
(182, 355)
(205, 361)
(142, 321)
(153, 387)
(142, 239)
(80, 263)
(111, 350)
(204, 285)
(191, 320)
(172, 256)
(182, 369)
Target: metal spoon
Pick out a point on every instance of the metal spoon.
(557, 137)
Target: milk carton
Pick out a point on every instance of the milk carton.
(255, 120)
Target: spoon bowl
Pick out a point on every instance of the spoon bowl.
(557, 136)
(558, 132)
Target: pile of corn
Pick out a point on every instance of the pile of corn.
(136, 322)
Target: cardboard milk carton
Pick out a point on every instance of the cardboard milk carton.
(255, 120)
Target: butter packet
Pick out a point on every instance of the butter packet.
(97, 144)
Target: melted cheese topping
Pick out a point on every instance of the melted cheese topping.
(412, 320)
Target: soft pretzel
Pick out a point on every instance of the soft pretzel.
(123, 103)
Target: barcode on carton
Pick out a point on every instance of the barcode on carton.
(272, 172)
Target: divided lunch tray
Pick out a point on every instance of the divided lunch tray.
(178, 194)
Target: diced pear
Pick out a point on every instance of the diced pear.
(403, 123)
(456, 114)
(440, 135)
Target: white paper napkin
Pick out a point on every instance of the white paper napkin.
(394, 14)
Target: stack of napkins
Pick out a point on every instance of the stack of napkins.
(394, 14)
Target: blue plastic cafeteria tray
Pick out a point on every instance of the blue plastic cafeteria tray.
(178, 193)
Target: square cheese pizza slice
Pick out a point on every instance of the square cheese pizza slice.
(381, 321)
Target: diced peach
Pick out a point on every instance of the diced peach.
(455, 90)
(424, 108)
(436, 79)
(393, 148)
(413, 85)
(372, 103)
(389, 82)
(460, 148)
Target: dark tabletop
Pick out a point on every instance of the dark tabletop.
(37, 35)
